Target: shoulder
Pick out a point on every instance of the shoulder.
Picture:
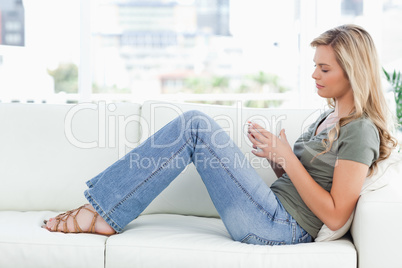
(359, 141)
(362, 128)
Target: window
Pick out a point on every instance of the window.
(13, 26)
(38, 39)
(259, 47)
(147, 48)
(132, 50)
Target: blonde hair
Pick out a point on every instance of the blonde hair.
(356, 54)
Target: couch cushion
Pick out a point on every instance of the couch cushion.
(186, 241)
(24, 244)
(187, 194)
(376, 225)
(49, 151)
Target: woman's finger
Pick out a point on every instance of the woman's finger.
(256, 134)
(258, 153)
(253, 139)
(282, 135)
(259, 128)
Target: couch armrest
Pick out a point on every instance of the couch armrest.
(376, 228)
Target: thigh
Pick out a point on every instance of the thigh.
(247, 206)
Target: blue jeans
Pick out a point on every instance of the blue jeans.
(247, 206)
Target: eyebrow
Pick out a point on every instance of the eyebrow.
(322, 64)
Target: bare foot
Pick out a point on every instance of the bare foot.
(81, 220)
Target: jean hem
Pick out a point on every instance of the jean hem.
(101, 213)
(89, 184)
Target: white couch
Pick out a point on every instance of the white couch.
(48, 151)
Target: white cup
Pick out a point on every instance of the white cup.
(274, 129)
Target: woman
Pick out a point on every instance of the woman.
(318, 182)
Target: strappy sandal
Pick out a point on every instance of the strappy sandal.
(62, 218)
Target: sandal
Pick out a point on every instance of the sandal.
(62, 218)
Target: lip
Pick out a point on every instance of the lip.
(319, 86)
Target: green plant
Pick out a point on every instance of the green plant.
(65, 78)
(261, 79)
(395, 79)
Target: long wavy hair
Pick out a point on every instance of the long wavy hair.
(356, 54)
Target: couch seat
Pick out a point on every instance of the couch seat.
(22, 239)
(166, 240)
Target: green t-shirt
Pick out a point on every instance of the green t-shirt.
(358, 141)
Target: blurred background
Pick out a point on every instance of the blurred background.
(253, 53)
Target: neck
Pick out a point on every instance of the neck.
(344, 106)
(342, 111)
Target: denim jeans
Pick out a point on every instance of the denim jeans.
(248, 208)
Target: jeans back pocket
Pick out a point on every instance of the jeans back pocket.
(305, 237)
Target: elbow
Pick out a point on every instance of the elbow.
(335, 224)
(334, 227)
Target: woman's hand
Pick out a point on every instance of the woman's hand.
(274, 149)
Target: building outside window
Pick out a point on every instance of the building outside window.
(12, 16)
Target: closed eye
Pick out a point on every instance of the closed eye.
(324, 71)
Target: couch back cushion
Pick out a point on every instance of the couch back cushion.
(48, 151)
(187, 194)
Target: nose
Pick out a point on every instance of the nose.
(315, 74)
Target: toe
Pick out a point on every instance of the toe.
(50, 224)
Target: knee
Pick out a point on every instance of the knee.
(195, 119)
(196, 116)
(194, 113)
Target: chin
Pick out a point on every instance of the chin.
(322, 94)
